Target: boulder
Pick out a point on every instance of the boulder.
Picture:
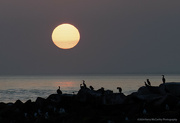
(67, 99)
(54, 98)
(28, 102)
(88, 96)
(171, 87)
(28, 106)
(146, 90)
(167, 99)
(2, 105)
(18, 103)
(41, 102)
(149, 93)
(115, 98)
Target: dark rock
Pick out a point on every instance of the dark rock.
(41, 102)
(96, 106)
(18, 104)
(28, 102)
(67, 98)
(10, 104)
(54, 98)
(115, 98)
(146, 90)
(169, 99)
(88, 96)
(171, 87)
(2, 105)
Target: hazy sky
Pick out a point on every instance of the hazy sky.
(119, 36)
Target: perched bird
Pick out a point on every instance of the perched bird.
(148, 82)
(91, 87)
(120, 89)
(84, 84)
(163, 79)
(59, 91)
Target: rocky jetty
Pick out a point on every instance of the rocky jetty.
(98, 106)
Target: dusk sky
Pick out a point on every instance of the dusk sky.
(119, 36)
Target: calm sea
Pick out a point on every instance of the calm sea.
(31, 87)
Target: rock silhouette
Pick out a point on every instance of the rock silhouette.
(101, 105)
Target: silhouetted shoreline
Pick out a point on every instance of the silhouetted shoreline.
(150, 103)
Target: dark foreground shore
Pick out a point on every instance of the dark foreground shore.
(149, 103)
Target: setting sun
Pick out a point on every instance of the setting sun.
(65, 36)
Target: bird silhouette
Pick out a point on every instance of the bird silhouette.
(148, 82)
(84, 84)
(120, 89)
(91, 87)
(163, 79)
(59, 91)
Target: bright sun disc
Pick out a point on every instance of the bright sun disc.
(65, 36)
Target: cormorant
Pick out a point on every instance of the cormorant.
(148, 82)
(84, 84)
(163, 79)
(120, 89)
(165, 88)
(91, 87)
(59, 91)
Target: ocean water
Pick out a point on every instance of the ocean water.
(31, 87)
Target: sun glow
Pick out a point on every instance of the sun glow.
(65, 36)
